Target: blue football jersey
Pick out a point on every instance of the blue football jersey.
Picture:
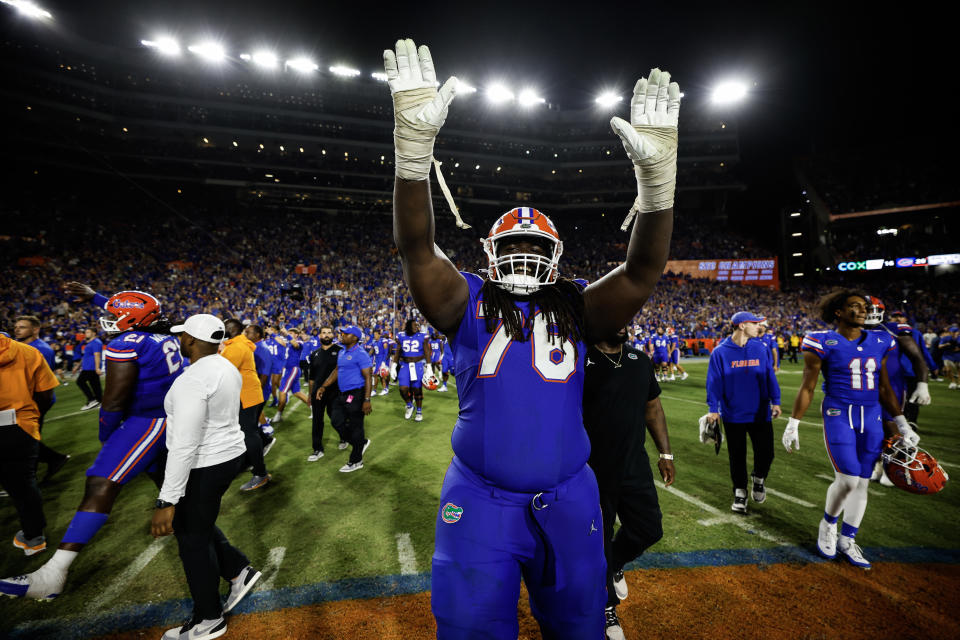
(293, 353)
(436, 350)
(412, 346)
(521, 421)
(673, 341)
(158, 362)
(386, 345)
(851, 369)
(660, 343)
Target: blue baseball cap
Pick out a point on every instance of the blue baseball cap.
(745, 316)
(352, 330)
(954, 328)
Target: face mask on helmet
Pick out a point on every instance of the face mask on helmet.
(911, 468)
(875, 311)
(523, 273)
(130, 310)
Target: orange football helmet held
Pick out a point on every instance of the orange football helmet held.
(131, 310)
(911, 468)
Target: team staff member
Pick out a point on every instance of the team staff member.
(321, 364)
(206, 451)
(742, 388)
(90, 368)
(26, 393)
(238, 349)
(352, 375)
(620, 402)
(27, 330)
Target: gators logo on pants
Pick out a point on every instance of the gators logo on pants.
(451, 513)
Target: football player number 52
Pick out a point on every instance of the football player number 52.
(554, 363)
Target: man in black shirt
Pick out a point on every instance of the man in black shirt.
(322, 363)
(620, 403)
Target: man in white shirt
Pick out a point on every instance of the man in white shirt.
(206, 451)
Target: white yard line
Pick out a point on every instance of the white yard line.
(719, 517)
(68, 415)
(406, 555)
(110, 593)
(270, 570)
(949, 464)
(788, 498)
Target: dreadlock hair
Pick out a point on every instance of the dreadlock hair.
(408, 326)
(832, 302)
(560, 303)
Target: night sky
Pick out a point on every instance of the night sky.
(827, 75)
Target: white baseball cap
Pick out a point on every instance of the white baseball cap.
(202, 326)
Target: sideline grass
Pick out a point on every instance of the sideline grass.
(336, 526)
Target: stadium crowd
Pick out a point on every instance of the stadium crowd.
(220, 266)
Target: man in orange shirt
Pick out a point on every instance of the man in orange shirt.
(26, 393)
(238, 349)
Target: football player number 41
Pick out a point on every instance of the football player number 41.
(862, 373)
(553, 361)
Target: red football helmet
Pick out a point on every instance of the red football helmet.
(911, 468)
(131, 310)
(430, 382)
(384, 371)
(523, 273)
(875, 310)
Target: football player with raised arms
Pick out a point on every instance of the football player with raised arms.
(855, 387)
(142, 361)
(411, 363)
(518, 500)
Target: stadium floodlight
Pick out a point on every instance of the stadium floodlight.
(608, 99)
(498, 94)
(529, 98)
(379, 75)
(729, 92)
(29, 9)
(210, 51)
(344, 71)
(264, 59)
(165, 45)
(303, 65)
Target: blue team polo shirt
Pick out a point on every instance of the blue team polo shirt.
(89, 363)
(46, 351)
(350, 363)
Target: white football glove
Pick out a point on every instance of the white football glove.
(427, 370)
(921, 395)
(419, 110)
(791, 435)
(910, 437)
(650, 139)
(393, 371)
(705, 435)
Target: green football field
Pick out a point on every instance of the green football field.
(314, 525)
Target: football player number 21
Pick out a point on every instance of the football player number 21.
(554, 363)
(862, 373)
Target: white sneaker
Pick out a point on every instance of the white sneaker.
(884, 480)
(408, 413)
(418, 417)
(685, 376)
(759, 492)
(672, 377)
(384, 392)
(952, 385)
(342, 446)
(620, 585)
(316, 455)
(267, 429)
(347, 468)
(442, 388)
(89, 405)
(613, 630)
(739, 501)
(277, 419)
(200, 630)
(852, 552)
(827, 539)
(239, 587)
(43, 584)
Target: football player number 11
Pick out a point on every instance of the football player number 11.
(553, 362)
(862, 374)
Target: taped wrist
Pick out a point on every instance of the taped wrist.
(413, 138)
(109, 422)
(792, 424)
(657, 176)
(902, 425)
